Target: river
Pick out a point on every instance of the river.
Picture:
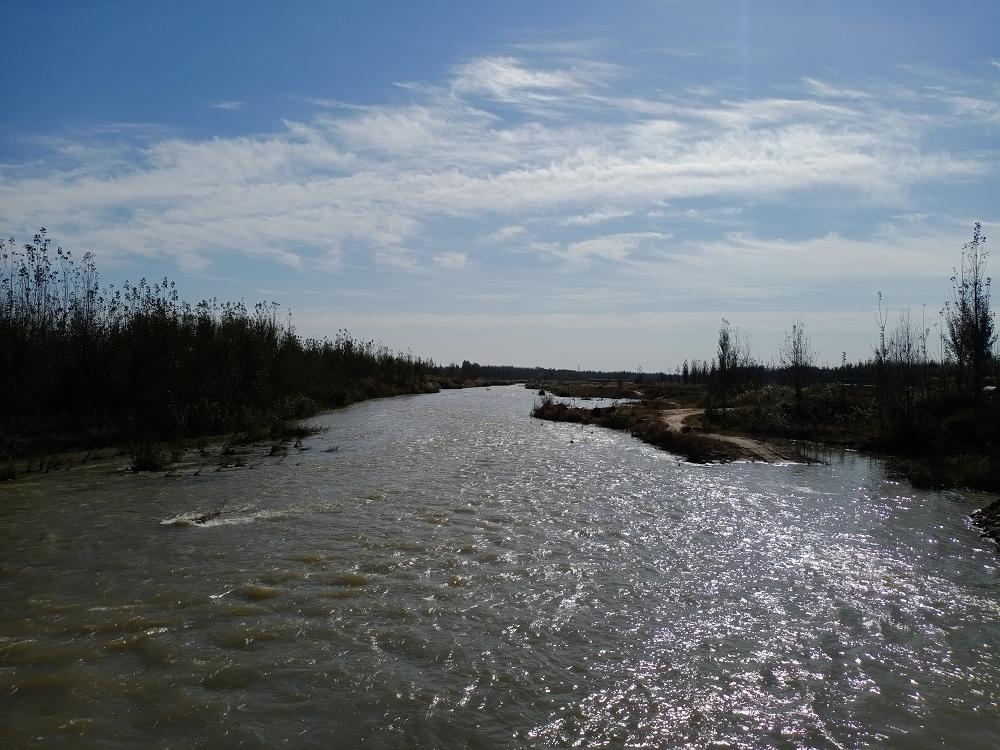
(458, 575)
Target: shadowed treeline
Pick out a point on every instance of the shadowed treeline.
(927, 393)
(87, 364)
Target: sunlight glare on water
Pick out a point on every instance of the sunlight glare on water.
(459, 575)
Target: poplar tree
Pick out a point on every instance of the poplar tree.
(969, 322)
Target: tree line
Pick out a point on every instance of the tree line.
(85, 363)
(90, 364)
(905, 395)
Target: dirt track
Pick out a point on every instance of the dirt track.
(756, 450)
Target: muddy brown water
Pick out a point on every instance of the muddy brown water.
(458, 575)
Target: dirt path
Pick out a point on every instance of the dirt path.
(758, 451)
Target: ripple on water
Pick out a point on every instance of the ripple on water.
(457, 575)
(258, 593)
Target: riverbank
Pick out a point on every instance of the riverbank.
(260, 436)
(88, 366)
(988, 519)
(662, 424)
(757, 427)
(945, 441)
(681, 419)
(950, 444)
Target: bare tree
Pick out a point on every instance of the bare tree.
(881, 351)
(733, 358)
(925, 333)
(796, 354)
(727, 357)
(970, 331)
(904, 352)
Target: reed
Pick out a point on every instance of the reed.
(90, 364)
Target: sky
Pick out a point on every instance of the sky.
(564, 184)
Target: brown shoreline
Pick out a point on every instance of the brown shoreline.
(662, 424)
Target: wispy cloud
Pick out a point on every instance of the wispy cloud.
(744, 266)
(820, 88)
(451, 260)
(327, 103)
(228, 104)
(512, 81)
(716, 215)
(564, 47)
(506, 233)
(385, 179)
(975, 108)
(611, 247)
(595, 217)
(398, 258)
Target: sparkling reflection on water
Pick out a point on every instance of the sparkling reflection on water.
(459, 575)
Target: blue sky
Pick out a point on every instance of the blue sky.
(562, 184)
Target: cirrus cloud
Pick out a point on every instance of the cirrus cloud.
(475, 150)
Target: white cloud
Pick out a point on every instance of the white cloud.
(451, 260)
(506, 233)
(774, 319)
(227, 104)
(389, 177)
(327, 103)
(508, 79)
(595, 217)
(611, 247)
(821, 88)
(705, 215)
(574, 47)
(975, 108)
(743, 265)
(396, 258)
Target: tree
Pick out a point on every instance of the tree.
(797, 356)
(905, 354)
(969, 324)
(881, 361)
(733, 354)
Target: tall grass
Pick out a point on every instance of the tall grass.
(86, 363)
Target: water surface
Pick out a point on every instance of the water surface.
(459, 575)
